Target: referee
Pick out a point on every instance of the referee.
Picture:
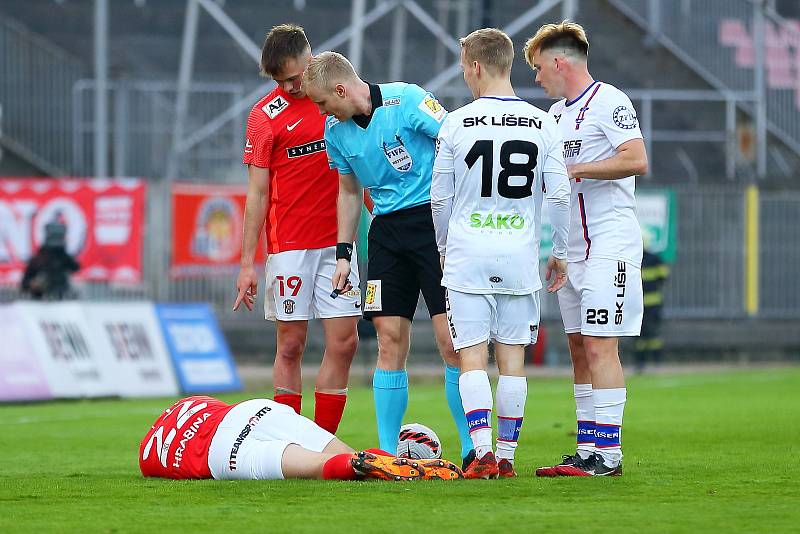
(382, 137)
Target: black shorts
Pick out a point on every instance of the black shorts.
(403, 260)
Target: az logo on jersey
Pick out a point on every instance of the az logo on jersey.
(275, 106)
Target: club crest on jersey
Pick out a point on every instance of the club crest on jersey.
(275, 106)
(432, 107)
(397, 155)
(288, 306)
(624, 118)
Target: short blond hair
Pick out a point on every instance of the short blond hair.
(490, 47)
(327, 69)
(569, 37)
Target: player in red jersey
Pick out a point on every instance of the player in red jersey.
(292, 191)
(259, 439)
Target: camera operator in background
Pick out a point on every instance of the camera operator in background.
(47, 273)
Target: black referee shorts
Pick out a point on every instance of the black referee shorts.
(403, 260)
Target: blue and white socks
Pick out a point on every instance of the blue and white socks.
(584, 411)
(512, 392)
(609, 405)
(476, 398)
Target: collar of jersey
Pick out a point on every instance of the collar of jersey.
(503, 98)
(377, 101)
(570, 102)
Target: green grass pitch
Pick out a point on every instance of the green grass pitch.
(704, 452)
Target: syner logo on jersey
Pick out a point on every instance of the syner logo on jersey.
(275, 106)
(397, 155)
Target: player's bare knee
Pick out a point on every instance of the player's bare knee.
(290, 350)
(344, 347)
(392, 351)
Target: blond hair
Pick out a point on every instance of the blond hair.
(490, 47)
(327, 69)
(569, 37)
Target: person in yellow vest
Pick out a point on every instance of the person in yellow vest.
(649, 345)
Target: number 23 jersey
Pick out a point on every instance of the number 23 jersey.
(497, 149)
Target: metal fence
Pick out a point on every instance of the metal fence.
(708, 276)
(35, 83)
(694, 29)
(142, 122)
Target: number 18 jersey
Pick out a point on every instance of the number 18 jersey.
(492, 155)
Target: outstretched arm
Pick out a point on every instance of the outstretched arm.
(254, 215)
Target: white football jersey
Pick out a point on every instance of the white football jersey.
(493, 156)
(604, 223)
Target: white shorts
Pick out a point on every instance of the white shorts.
(299, 285)
(250, 440)
(475, 318)
(602, 298)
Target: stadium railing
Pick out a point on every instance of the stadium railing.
(707, 281)
(701, 31)
(36, 78)
(143, 117)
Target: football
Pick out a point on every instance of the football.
(418, 442)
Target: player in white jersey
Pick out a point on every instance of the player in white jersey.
(493, 156)
(602, 300)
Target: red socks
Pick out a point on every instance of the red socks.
(338, 468)
(328, 409)
(293, 400)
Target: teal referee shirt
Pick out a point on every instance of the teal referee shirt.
(390, 152)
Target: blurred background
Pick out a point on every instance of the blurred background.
(151, 97)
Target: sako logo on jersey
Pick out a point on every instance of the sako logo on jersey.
(251, 424)
(505, 120)
(275, 106)
(307, 149)
(572, 148)
(496, 221)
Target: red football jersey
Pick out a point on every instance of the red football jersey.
(287, 135)
(176, 446)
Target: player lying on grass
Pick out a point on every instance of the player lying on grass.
(260, 439)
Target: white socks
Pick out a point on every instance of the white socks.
(584, 412)
(512, 392)
(608, 407)
(476, 398)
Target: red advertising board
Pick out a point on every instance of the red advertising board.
(104, 221)
(207, 229)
